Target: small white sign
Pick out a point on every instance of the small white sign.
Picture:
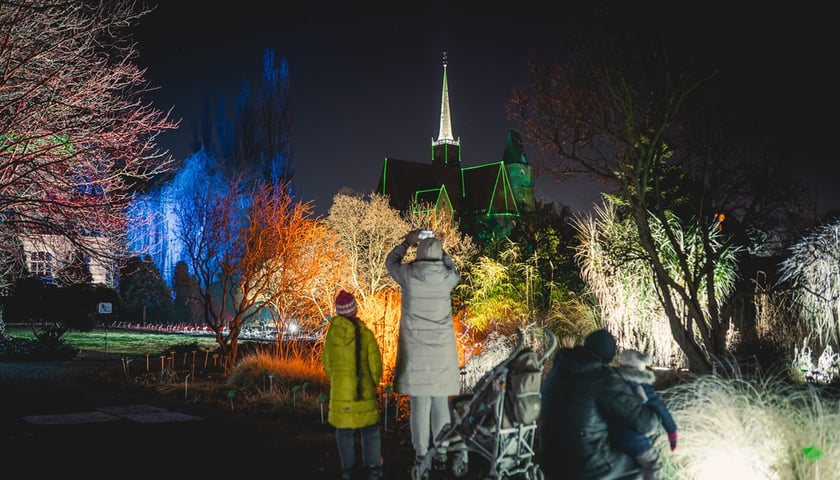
(105, 307)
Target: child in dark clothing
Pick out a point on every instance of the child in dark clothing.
(633, 367)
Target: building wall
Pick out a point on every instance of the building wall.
(46, 255)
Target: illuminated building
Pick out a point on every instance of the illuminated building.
(499, 190)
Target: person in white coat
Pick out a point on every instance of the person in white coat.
(427, 367)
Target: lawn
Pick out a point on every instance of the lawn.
(122, 342)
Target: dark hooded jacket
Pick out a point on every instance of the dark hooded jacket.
(582, 396)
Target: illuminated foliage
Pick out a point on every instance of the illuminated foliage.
(615, 267)
(239, 242)
(78, 139)
(613, 110)
(447, 229)
(301, 266)
(498, 291)
(366, 229)
(812, 272)
(249, 144)
(755, 429)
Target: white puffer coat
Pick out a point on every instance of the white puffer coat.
(427, 358)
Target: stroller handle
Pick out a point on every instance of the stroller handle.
(552, 345)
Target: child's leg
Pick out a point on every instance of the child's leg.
(345, 438)
(371, 446)
(650, 463)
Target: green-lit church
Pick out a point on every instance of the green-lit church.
(499, 191)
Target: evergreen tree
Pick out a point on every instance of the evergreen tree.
(142, 289)
(188, 307)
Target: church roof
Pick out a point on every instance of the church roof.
(482, 189)
(479, 190)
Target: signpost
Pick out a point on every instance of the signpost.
(104, 308)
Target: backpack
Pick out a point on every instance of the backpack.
(522, 393)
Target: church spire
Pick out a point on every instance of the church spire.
(446, 150)
(445, 120)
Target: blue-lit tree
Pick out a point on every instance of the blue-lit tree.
(252, 142)
(152, 229)
(250, 146)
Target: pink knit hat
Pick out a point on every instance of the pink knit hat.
(345, 304)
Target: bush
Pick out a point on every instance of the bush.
(26, 350)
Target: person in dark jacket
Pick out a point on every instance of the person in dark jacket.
(583, 398)
(353, 362)
(633, 367)
(427, 367)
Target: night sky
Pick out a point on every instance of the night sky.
(367, 84)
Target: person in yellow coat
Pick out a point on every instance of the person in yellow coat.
(353, 363)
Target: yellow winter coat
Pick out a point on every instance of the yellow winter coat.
(350, 407)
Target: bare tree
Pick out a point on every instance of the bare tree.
(367, 228)
(447, 229)
(252, 248)
(613, 110)
(78, 138)
(304, 267)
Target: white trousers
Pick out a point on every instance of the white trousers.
(428, 417)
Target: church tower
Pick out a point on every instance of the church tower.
(446, 151)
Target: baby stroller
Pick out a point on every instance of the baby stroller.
(498, 421)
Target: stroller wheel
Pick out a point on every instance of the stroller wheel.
(420, 471)
(460, 465)
(535, 473)
(439, 462)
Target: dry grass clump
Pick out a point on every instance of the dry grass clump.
(741, 428)
(265, 378)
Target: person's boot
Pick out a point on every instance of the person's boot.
(374, 473)
(420, 471)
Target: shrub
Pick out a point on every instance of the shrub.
(264, 377)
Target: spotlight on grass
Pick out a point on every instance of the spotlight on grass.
(758, 428)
